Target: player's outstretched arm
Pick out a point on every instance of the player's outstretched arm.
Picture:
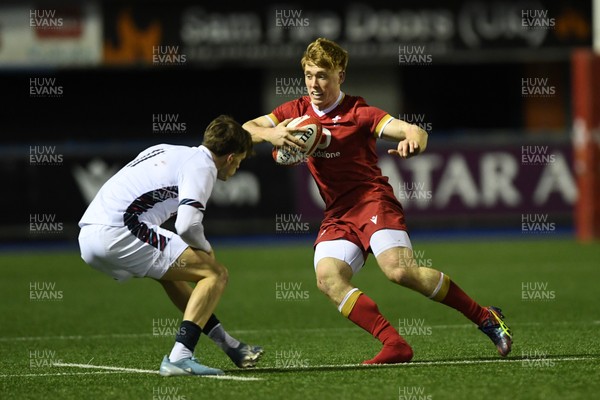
(262, 131)
(412, 140)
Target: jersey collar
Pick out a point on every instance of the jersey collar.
(206, 152)
(320, 113)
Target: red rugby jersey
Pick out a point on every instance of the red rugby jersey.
(344, 165)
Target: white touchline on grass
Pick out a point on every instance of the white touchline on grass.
(90, 366)
(119, 370)
(62, 374)
(77, 337)
(149, 371)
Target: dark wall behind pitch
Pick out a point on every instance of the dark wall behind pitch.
(101, 104)
(105, 104)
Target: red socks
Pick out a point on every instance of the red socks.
(363, 311)
(365, 314)
(460, 301)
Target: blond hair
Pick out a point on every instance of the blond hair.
(325, 53)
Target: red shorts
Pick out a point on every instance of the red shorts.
(360, 222)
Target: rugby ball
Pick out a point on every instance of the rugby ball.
(285, 155)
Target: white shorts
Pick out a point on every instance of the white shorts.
(351, 254)
(115, 251)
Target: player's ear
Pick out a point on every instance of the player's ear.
(230, 158)
(342, 76)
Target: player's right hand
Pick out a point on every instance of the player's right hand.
(281, 135)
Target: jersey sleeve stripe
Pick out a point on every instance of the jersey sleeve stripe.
(139, 206)
(144, 158)
(272, 119)
(382, 124)
(193, 203)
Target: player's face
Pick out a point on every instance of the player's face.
(231, 166)
(323, 85)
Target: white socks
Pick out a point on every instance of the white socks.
(179, 352)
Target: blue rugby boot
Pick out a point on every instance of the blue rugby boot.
(186, 366)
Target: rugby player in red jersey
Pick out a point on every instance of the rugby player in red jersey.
(362, 214)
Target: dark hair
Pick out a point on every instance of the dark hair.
(224, 136)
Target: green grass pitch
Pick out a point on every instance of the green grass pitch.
(55, 309)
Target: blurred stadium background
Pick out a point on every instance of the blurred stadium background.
(87, 85)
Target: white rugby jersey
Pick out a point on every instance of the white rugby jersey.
(149, 190)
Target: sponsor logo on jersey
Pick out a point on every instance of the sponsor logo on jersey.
(325, 142)
(326, 154)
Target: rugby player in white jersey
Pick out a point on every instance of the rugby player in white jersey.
(121, 235)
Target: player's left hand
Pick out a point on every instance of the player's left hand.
(406, 148)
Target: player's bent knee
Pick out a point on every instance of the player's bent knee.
(333, 289)
(324, 285)
(194, 265)
(398, 275)
(325, 279)
(331, 278)
(216, 270)
(398, 265)
(222, 274)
